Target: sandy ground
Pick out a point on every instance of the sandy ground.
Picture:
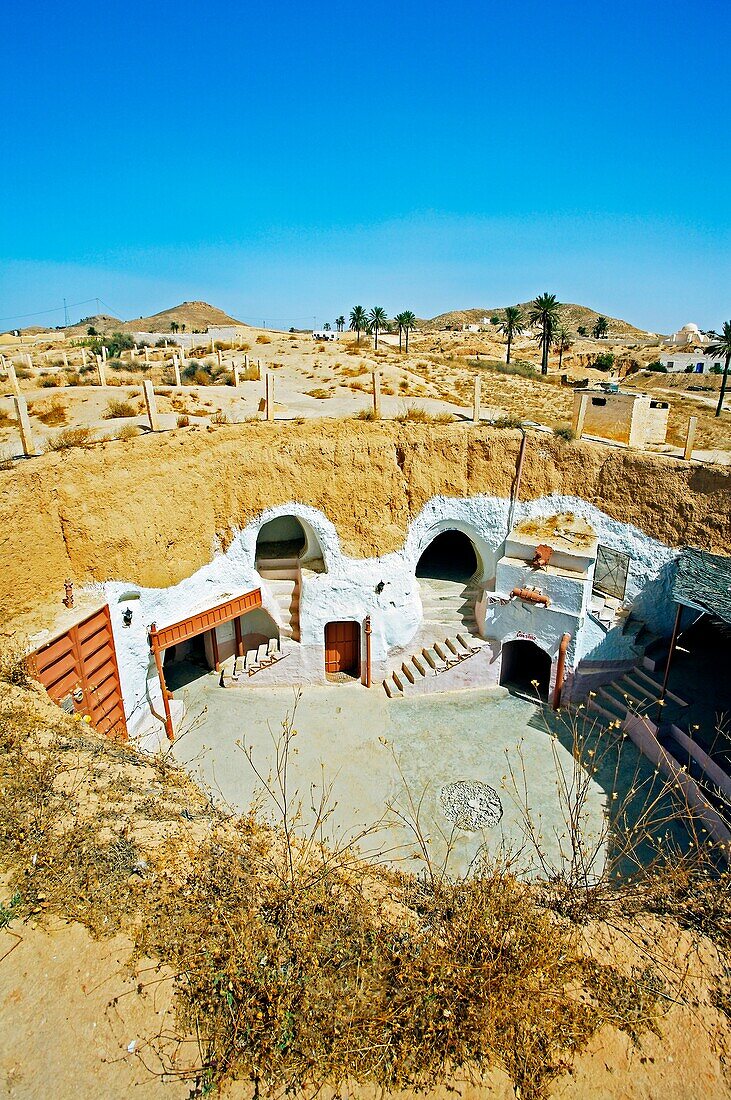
(334, 380)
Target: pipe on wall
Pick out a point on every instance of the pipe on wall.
(531, 596)
(560, 668)
(368, 631)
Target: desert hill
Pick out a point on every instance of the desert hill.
(195, 316)
(573, 315)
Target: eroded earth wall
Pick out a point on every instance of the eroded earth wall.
(157, 508)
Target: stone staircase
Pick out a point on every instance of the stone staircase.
(430, 661)
(635, 691)
(283, 581)
(448, 636)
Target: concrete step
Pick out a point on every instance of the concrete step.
(408, 672)
(642, 677)
(398, 682)
(418, 664)
(610, 702)
(608, 716)
(433, 659)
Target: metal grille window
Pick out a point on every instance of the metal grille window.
(610, 573)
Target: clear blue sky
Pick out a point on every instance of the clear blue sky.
(287, 160)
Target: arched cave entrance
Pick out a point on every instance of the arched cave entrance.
(523, 664)
(451, 556)
(283, 537)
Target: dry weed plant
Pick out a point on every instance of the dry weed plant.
(70, 437)
(296, 963)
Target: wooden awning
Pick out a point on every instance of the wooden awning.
(205, 620)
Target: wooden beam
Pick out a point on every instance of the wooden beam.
(155, 647)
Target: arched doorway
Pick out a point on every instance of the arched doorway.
(451, 556)
(524, 664)
(283, 537)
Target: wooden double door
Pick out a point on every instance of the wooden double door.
(342, 648)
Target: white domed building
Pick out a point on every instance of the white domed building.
(689, 334)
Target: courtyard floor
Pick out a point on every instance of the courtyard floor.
(384, 757)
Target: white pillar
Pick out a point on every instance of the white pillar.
(220, 357)
(377, 394)
(176, 368)
(26, 435)
(65, 360)
(236, 374)
(102, 371)
(104, 354)
(269, 384)
(147, 354)
(212, 347)
(476, 400)
(83, 357)
(149, 395)
(580, 407)
(29, 361)
(12, 376)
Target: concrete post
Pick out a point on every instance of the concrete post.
(246, 364)
(220, 357)
(13, 378)
(212, 347)
(580, 408)
(690, 438)
(151, 403)
(269, 384)
(104, 354)
(147, 354)
(102, 371)
(236, 374)
(182, 356)
(377, 394)
(176, 368)
(26, 435)
(29, 361)
(476, 400)
(65, 360)
(83, 357)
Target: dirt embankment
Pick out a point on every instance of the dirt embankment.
(154, 510)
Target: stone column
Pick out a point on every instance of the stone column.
(236, 374)
(269, 385)
(149, 395)
(580, 407)
(377, 394)
(102, 371)
(220, 357)
(476, 400)
(147, 354)
(176, 368)
(104, 354)
(690, 438)
(26, 435)
(83, 357)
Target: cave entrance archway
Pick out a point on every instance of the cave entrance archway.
(283, 537)
(450, 556)
(523, 665)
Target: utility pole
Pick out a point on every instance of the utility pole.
(65, 314)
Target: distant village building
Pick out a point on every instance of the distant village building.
(632, 418)
(689, 334)
(325, 334)
(688, 362)
(470, 328)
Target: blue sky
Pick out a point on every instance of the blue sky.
(285, 161)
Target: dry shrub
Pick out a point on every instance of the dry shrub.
(119, 408)
(319, 393)
(70, 437)
(183, 420)
(219, 417)
(127, 432)
(6, 419)
(417, 415)
(53, 414)
(366, 414)
(50, 381)
(6, 459)
(251, 373)
(262, 339)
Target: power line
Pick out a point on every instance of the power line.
(44, 312)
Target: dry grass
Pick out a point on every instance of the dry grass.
(319, 392)
(262, 339)
(70, 437)
(298, 965)
(53, 415)
(119, 409)
(127, 432)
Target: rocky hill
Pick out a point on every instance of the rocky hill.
(573, 316)
(195, 316)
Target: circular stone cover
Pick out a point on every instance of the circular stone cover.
(471, 804)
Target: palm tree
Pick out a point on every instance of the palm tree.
(340, 322)
(377, 320)
(408, 322)
(358, 320)
(721, 349)
(544, 312)
(326, 327)
(174, 326)
(563, 342)
(399, 320)
(512, 325)
(601, 328)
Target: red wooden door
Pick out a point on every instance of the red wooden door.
(79, 671)
(342, 648)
